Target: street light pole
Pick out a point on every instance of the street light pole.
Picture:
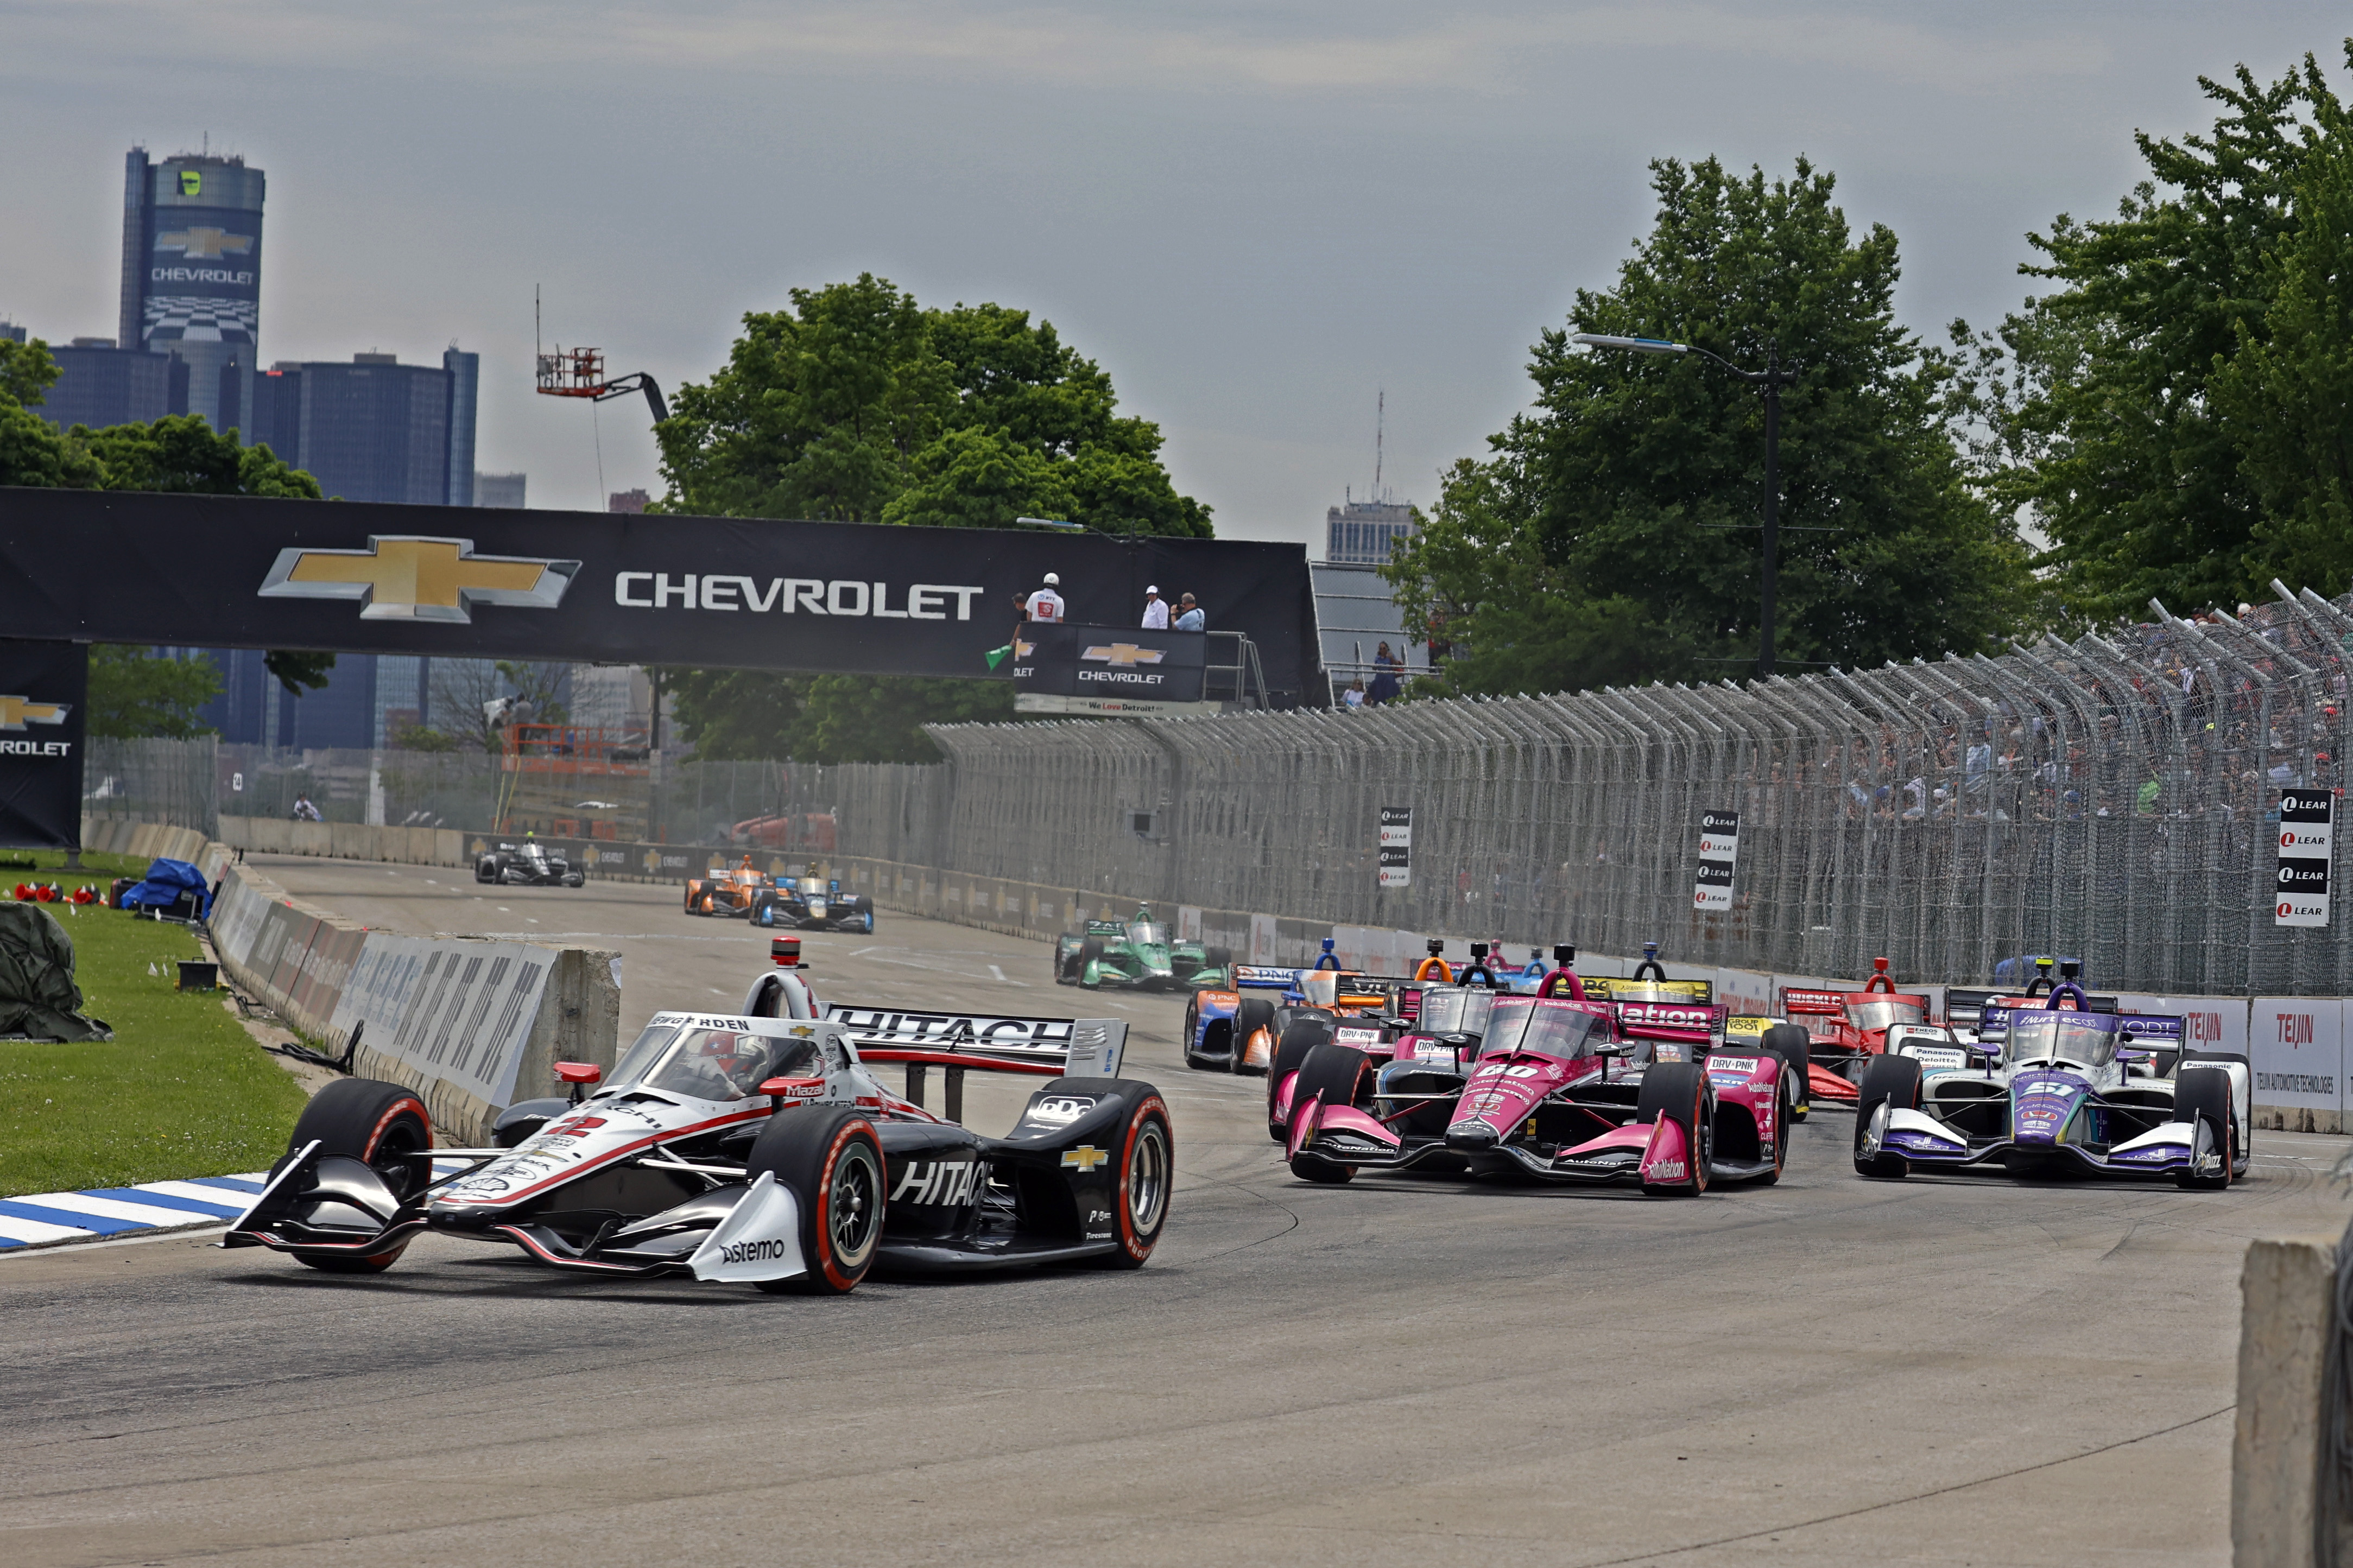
(1772, 378)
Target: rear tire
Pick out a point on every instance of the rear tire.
(486, 870)
(375, 1123)
(1218, 958)
(1792, 1045)
(2202, 1098)
(831, 1159)
(1256, 1013)
(1679, 1092)
(1895, 1082)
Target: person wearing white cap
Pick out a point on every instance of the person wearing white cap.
(1155, 610)
(1046, 605)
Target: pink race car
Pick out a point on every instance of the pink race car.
(1555, 1089)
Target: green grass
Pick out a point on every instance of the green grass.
(98, 870)
(181, 1090)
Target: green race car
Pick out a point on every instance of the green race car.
(1138, 957)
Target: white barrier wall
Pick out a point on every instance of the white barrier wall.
(2297, 1046)
(472, 1024)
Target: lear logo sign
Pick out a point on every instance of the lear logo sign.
(412, 577)
(2307, 844)
(790, 595)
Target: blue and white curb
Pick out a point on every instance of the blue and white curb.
(150, 1208)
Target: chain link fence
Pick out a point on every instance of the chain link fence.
(2112, 798)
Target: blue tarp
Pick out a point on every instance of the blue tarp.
(169, 881)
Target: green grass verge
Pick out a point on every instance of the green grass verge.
(181, 1090)
(49, 866)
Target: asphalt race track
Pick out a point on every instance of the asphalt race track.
(1397, 1370)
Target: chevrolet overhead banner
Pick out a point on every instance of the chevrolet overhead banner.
(463, 582)
(42, 701)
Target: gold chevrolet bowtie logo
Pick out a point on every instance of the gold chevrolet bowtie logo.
(15, 712)
(1085, 1157)
(407, 577)
(205, 244)
(1124, 653)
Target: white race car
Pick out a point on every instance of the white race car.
(757, 1147)
(2054, 1088)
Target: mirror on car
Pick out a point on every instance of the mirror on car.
(579, 1072)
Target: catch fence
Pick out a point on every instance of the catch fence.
(2112, 797)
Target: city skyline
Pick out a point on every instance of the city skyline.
(1253, 219)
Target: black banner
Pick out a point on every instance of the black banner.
(619, 588)
(1067, 659)
(44, 700)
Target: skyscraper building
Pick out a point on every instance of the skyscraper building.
(500, 489)
(1362, 531)
(192, 273)
(373, 429)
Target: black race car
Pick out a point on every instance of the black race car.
(529, 864)
(812, 904)
(754, 1149)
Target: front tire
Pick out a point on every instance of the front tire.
(2202, 1099)
(831, 1159)
(1679, 1092)
(1290, 1054)
(378, 1124)
(486, 870)
(1893, 1083)
(1337, 1075)
(1255, 1013)
(1148, 1176)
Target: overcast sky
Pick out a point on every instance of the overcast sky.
(1255, 216)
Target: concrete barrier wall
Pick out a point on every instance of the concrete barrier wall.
(472, 1024)
(2286, 1320)
(2297, 1046)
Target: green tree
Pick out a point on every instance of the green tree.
(2287, 394)
(1610, 537)
(2110, 409)
(135, 692)
(736, 715)
(859, 405)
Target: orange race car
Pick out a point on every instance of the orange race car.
(727, 891)
(1846, 1028)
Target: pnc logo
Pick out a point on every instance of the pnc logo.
(1123, 655)
(15, 712)
(412, 577)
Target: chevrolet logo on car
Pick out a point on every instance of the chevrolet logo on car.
(413, 577)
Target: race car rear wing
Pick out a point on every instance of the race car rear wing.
(1608, 988)
(1694, 1024)
(2151, 1031)
(1965, 1009)
(1053, 1047)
